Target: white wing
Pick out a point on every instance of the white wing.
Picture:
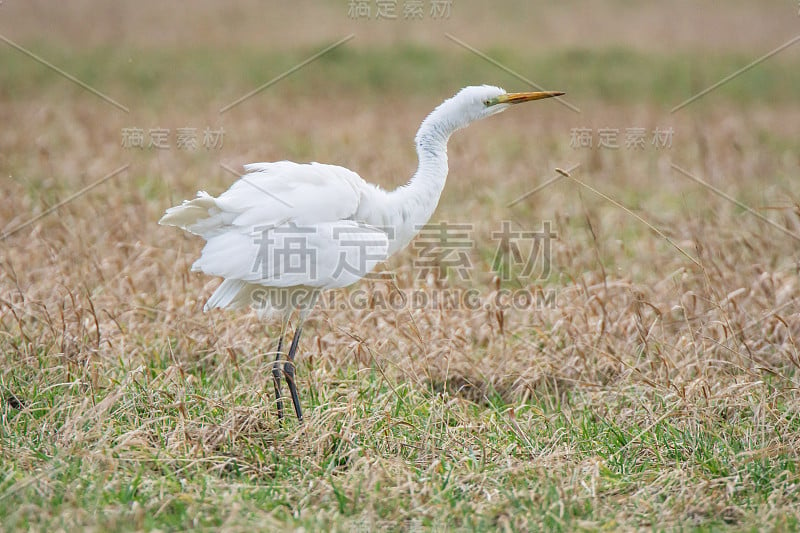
(324, 255)
(283, 225)
(273, 193)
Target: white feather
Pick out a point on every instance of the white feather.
(347, 226)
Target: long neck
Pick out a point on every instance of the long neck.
(427, 184)
(416, 201)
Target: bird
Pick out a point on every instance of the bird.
(284, 231)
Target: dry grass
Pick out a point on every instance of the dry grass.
(530, 26)
(656, 390)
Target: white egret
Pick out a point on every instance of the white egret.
(286, 231)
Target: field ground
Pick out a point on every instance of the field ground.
(650, 382)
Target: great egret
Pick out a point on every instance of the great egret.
(286, 231)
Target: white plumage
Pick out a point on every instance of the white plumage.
(284, 225)
(285, 231)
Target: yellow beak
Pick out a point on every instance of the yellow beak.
(518, 98)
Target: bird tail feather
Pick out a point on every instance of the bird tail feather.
(231, 294)
(266, 301)
(191, 214)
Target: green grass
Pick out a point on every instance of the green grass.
(460, 452)
(613, 75)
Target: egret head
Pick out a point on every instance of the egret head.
(477, 102)
(494, 100)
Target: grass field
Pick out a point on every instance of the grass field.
(651, 382)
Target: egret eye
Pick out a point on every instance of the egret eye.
(487, 103)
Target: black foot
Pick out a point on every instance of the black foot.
(288, 371)
(276, 379)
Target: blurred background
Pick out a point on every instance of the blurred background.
(187, 94)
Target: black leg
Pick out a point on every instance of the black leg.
(276, 378)
(288, 370)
